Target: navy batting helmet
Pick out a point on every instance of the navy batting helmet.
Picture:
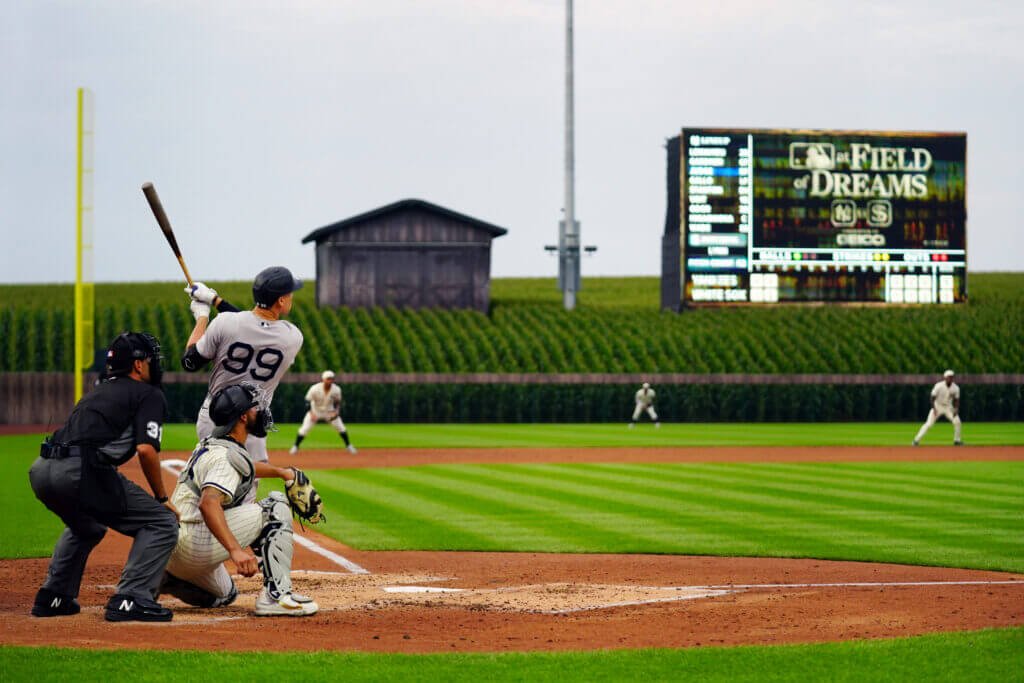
(229, 404)
(273, 283)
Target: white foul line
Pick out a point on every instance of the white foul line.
(175, 467)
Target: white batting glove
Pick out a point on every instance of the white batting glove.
(201, 293)
(199, 310)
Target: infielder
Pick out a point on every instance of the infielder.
(945, 399)
(217, 524)
(323, 402)
(645, 402)
(255, 346)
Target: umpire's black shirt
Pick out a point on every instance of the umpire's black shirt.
(115, 418)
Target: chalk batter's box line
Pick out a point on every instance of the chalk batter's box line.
(175, 467)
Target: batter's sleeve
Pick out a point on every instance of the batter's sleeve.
(210, 341)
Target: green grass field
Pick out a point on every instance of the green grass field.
(990, 655)
(181, 437)
(958, 514)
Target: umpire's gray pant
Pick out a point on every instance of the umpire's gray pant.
(154, 527)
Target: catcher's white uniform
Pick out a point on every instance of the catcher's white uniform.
(645, 402)
(943, 397)
(245, 347)
(266, 526)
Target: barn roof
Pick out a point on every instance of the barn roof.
(401, 205)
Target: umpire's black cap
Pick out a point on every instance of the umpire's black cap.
(273, 283)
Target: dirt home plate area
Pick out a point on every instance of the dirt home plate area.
(417, 601)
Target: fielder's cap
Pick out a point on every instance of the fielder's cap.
(947, 373)
(229, 404)
(328, 374)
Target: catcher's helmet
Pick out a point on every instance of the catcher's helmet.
(273, 283)
(229, 404)
(129, 347)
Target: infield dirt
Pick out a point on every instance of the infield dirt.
(443, 602)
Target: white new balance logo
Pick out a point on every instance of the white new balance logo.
(126, 605)
(55, 603)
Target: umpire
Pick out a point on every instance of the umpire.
(76, 477)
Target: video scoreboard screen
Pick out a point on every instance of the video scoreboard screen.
(772, 216)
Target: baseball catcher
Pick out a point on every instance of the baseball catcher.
(218, 524)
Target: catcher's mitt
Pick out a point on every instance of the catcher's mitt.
(304, 500)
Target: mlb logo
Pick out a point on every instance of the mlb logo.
(807, 156)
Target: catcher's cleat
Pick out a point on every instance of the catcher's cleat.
(50, 604)
(129, 608)
(285, 606)
(293, 450)
(352, 449)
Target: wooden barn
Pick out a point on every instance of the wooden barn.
(411, 253)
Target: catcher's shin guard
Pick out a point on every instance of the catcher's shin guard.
(273, 548)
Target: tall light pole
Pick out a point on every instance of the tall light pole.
(569, 233)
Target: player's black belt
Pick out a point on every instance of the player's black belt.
(49, 451)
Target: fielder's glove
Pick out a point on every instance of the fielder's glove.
(201, 293)
(305, 502)
(199, 310)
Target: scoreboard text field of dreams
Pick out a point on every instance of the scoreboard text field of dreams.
(786, 216)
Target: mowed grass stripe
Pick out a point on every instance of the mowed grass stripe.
(909, 529)
(679, 508)
(887, 519)
(509, 516)
(416, 521)
(934, 488)
(464, 521)
(992, 478)
(547, 502)
(880, 491)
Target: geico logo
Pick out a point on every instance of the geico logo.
(860, 240)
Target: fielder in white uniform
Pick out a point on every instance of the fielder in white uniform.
(645, 402)
(323, 402)
(255, 346)
(945, 399)
(217, 524)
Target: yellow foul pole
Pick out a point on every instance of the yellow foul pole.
(84, 291)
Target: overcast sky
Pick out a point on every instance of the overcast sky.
(261, 121)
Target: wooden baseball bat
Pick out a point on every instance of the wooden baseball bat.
(165, 225)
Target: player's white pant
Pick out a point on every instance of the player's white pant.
(310, 420)
(933, 415)
(199, 557)
(640, 407)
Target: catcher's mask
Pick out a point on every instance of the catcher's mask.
(229, 404)
(129, 347)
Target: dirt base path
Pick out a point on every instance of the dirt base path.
(449, 602)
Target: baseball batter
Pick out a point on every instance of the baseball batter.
(945, 400)
(217, 524)
(645, 403)
(323, 402)
(256, 346)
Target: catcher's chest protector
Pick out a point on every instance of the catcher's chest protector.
(235, 455)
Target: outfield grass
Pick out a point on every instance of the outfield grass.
(959, 514)
(989, 655)
(181, 437)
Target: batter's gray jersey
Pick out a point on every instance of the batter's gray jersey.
(246, 348)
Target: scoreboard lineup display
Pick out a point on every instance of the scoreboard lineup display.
(772, 216)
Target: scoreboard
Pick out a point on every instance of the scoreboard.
(770, 216)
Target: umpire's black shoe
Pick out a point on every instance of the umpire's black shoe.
(129, 608)
(50, 604)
